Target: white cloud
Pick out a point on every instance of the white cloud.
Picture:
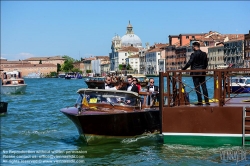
(21, 56)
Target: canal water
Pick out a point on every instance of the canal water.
(35, 132)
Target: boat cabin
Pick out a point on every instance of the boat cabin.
(90, 97)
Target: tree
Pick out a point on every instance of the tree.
(68, 64)
(129, 67)
(40, 62)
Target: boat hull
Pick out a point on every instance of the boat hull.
(239, 89)
(13, 89)
(203, 125)
(119, 125)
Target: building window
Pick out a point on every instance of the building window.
(187, 37)
(125, 54)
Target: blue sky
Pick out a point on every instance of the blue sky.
(85, 28)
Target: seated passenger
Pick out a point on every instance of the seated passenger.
(118, 85)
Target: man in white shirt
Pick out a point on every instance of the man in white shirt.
(151, 88)
(107, 84)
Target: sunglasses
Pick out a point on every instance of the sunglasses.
(152, 82)
(134, 80)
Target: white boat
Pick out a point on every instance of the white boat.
(12, 83)
(33, 75)
(240, 84)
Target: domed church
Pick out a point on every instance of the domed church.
(129, 42)
(129, 39)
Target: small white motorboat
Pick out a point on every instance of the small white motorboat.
(12, 83)
(240, 84)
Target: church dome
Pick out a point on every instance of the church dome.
(130, 38)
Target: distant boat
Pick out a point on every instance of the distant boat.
(73, 76)
(33, 75)
(12, 83)
(240, 84)
(62, 75)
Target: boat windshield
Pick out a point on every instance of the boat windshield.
(113, 97)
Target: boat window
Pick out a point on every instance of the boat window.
(110, 97)
(248, 81)
(242, 81)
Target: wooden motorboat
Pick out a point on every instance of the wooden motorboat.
(101, 113)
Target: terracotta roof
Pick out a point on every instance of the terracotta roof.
(44, 58)
(102, 57)
(14, 62)
(134, 56)
(128, 49)
(33, 65)
(235, 36)
(88, 59)
(155, 50)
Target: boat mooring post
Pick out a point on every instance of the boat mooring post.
(161, 98)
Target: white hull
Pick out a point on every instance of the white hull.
(12, 89)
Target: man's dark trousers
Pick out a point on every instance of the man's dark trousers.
(200, 80)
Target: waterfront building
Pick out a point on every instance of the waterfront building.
(79, 65)
(216, 56)
(152, 57)
(233, 53)
(46, 60)
(142, 68)
(105, 67)
(134, 62)
(180, 60)
(170, 57)
(25, 69)
(123, 56)
(87, 65)
(247, 50)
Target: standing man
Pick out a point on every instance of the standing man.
(198, 61)
(152, 88)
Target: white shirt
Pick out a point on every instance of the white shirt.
(151, 89)
(113, 88)
(107, 87)
(129, 87)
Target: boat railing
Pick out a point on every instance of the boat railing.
(175, 91)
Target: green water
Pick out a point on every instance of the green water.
(35, 131)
